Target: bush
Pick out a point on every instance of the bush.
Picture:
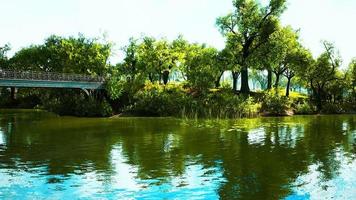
(274, 104)
(349, 107)
(331, 108)
(304, 109)
(174, 100)
(77, 104)
(159, 100)
(226, 104)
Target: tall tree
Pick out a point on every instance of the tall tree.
(157, 57)
(323, 72)
(250, 26)
(282, 49)
(300, 59)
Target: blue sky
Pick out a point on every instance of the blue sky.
(25, 22)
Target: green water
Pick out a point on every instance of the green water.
(43, 156)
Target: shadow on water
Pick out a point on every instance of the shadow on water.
(263, 158)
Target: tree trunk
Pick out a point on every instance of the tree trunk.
(318, 98)
(165, 76)
(235, 76)
(150, 77)
(245, 89)
(160, 78)
(13, 93)
(288, 86)
(277, 81)
(269, 80)
(318, 102)
(217, 81)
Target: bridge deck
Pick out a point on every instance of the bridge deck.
(49, 80)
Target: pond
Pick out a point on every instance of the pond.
(302, 157)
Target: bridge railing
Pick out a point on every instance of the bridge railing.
(47, 76)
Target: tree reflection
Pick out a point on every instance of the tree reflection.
(257, 158)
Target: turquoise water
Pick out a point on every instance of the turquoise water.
(43, 156)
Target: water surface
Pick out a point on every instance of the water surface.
(305, 157)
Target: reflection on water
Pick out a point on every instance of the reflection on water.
(2, 138)
(307, 157)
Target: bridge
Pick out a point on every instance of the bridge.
(30, 79)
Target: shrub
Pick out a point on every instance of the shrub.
(274, 104)
(304, 109)
(349, 107)
(158, 100)
(226, 104)
(77, 104)
(331, 108)
(174, 100)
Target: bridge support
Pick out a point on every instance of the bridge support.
(86, 91)
(13, 93)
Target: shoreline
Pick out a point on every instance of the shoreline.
(126, 115)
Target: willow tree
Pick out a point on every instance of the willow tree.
(250, 26)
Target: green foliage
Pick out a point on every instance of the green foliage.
(78, 55)
(158, 100)
(156, 58)
(71, 102)
(3, 56)
(226, 104)
(323, 74)
(70, 55)
(173, 100)
(331, 108)
(351, 80)
(247, 28)
(275, 104)
(200, 67)
(304, 109)
(254, 39)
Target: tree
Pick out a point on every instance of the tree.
(68, 55)
(3, 56)
(259, 77)
(78, 55)
(226, 61)
(131, 66)
(322, 73)
(32, 58)
(200, 66)
(300, 59)
(352, 77)
(250, 26)
(157, 57)
(4, 64)
(282, 48)
(229, 57)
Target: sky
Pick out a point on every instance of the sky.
(26, 22)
